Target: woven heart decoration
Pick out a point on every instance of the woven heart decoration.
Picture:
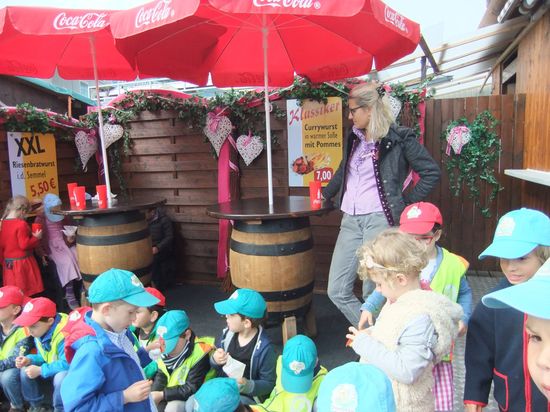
(249, 147)
(217, 129)
(395, 105)
(86, 144)
(457, 137)
(111, 133)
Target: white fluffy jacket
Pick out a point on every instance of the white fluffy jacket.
(393, 319)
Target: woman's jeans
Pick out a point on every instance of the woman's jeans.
(354, 232)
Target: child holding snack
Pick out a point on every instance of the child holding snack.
(495, 343)
(16, 248)
(244, 340)
(415, 329)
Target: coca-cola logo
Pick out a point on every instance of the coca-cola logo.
(291, 4)
(86, 21)
(393, 17)
(159, 12)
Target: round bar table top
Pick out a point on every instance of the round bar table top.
(258, 208)
(121, 206)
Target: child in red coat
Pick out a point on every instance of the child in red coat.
(16, 246)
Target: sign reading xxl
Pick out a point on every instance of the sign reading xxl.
(33, 164)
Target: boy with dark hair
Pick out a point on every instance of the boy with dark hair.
(106, 371)
(49, 364)
(245, 341)
(14, 341)
(184, 363)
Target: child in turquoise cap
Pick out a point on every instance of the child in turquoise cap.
(356, 387)
(106, 372)
(219, 395)
(298, 378)
(495, 344)
(531, 298)
(244, 340)
(184, 363)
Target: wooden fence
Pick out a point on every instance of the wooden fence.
(173, 161)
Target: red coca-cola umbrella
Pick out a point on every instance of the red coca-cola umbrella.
(255, 42)
(37, 41)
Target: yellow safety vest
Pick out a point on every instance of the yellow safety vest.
(202, 347)
(57, 337)
(9, 343)
(446, 280)
(283, 401)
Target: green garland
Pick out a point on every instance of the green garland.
(476, 162)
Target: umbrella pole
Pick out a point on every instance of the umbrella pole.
(100, 119)
(265, 31)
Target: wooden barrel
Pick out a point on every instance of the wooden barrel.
(118, 240)
(275, 257)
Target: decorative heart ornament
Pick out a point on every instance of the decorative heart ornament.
(249, 147)
(217, 129)
(396, 105)
(111, 133)
(457, 137)
(86, 144)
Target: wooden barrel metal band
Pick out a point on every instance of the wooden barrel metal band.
(272, 226)
(140, 272)
(277, 317)
(290, 294)
(112, 240)
(285, 249)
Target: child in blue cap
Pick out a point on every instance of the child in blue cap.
(356, 387)
(106, 372)
(219, 395)
(299, 375)
(184, 363)
(495, 344)
(531, 298)
(244, 340)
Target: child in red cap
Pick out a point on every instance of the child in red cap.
(445, 274)
(144, 328)
(49, 364)
(14, 341)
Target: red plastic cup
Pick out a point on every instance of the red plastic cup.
(101, 196)
(70, 189)
(315, 194)
(80, 197)
(36, 227)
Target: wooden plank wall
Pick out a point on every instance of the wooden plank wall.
(173, 161)
(67, 172)
(533, 80)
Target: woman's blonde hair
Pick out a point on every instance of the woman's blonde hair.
(17, 203)
(381, 118)
(390, 253)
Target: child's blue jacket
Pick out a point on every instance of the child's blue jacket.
(99, 373)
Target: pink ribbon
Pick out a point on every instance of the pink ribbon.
(413, 176)
(456, 132)
(225, 167)
(213, 121)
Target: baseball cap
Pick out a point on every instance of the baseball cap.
(118, 284)
(35, 309)
(419, 218)
(49, 201)
(246, 302)
(518, 232)
(218, 395)
(170, 326)
(530, 297)
(158, 294)
(298, 364)
(355, 387)
(11, 295)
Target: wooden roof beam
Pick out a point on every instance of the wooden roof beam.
(428, 54)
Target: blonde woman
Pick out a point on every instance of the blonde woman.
(368, 186)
